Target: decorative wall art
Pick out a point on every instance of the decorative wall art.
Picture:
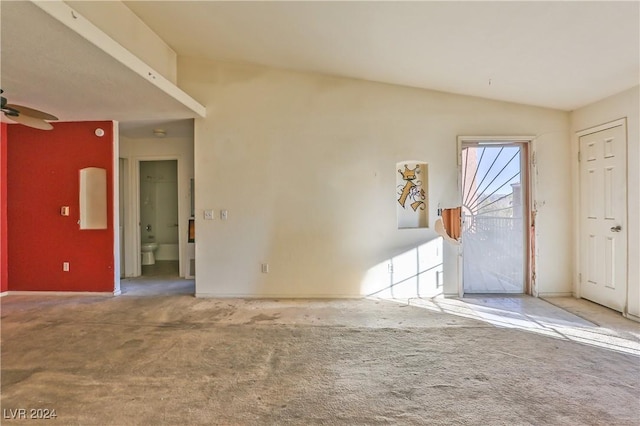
(412, 188)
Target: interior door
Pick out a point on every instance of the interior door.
(603, 207)
(494, 214)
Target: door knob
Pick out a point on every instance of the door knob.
(616, 228)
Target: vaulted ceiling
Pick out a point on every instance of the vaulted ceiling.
(560, 55)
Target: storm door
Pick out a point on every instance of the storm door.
(494, 217)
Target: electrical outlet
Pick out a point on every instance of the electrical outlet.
(208, 215)
(65, 266)
(265, 268)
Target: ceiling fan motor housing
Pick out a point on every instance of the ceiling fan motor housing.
(5, 109)
(26, 116)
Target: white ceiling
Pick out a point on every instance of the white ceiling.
(143, 129)
(560, 55)
(554, 54)
(53, 69)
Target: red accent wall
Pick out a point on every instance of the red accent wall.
(4, 272)
(44, 175)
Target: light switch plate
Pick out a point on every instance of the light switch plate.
(208, 215)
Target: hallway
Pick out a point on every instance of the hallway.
(157, 280)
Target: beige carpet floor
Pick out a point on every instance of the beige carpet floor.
(178, 360)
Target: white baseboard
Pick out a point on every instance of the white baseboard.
(564, 294)
(276, 296)
(632, 317)
(58, 293)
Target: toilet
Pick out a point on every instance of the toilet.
(147, 253)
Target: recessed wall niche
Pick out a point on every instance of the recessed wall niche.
(93, 198)
(412, 190)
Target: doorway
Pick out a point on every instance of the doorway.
(603, 215)
(122, 170)
(494, 185)
(159, 237)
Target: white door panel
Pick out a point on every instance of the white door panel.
(603, 237)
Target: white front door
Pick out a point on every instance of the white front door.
(603, 211)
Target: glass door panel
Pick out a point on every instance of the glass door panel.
(493, 212)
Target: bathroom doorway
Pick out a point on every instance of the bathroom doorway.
(159, 224)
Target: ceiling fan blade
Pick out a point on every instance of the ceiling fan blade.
(30, 122)
(23, 110)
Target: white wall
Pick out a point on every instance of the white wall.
(134, 150)
(625, 104)
(305, 165)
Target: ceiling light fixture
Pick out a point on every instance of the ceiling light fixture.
(159, 133)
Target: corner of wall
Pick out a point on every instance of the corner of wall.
(115, 131)
(4, 272)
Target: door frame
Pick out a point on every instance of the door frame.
(578, 207)
(528, 182)
(135, 210)
(123, 171)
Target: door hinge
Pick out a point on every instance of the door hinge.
(580, 278)
(579, 156)
(533, 158)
